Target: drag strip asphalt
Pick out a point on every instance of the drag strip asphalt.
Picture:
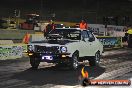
(18, 73)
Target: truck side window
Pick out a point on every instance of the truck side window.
(90, 35)
(84, 34)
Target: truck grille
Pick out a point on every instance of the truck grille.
(47, 50)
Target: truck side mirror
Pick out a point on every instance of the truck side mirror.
(91, 39)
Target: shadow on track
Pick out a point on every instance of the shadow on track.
(56, 76)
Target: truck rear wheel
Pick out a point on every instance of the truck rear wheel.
(34, 63)
(95, 60)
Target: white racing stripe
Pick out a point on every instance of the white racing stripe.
(13, 83)
(116, 73)
(117, 66)
(114, 52)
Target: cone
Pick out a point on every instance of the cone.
(26, 38)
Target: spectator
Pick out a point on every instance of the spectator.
(83, 25)
(129, 37)
(49, 27)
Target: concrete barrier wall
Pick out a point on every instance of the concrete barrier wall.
(16, 50)
(14, 34)
(36, 37)
(3, 42)
(107, 41)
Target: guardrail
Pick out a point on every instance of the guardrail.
(16, 50)
(107, 41)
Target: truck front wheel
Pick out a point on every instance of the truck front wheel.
(34, 62)
(74, 61)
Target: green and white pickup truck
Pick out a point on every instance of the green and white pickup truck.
(66, 46)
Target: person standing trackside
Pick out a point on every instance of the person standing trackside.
(49, 27)
(83, 25)
(129, 37)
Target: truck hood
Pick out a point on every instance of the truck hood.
(53, 42)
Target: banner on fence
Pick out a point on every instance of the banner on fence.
(12, 51)
(99, 29)
(110, 42)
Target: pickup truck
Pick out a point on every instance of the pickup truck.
(66, 46)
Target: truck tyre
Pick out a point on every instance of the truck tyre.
(74, 62)
(95, 60)
(34, 63)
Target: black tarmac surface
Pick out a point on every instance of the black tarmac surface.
(18, 73)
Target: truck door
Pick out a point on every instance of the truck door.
(93, 45)
(84, 44)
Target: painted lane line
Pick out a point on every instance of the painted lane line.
(116, 73)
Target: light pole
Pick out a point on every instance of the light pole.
(41, 9)
(93, 12)
(98, 10)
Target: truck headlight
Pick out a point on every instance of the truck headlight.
(30, 47)
(63, 49)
